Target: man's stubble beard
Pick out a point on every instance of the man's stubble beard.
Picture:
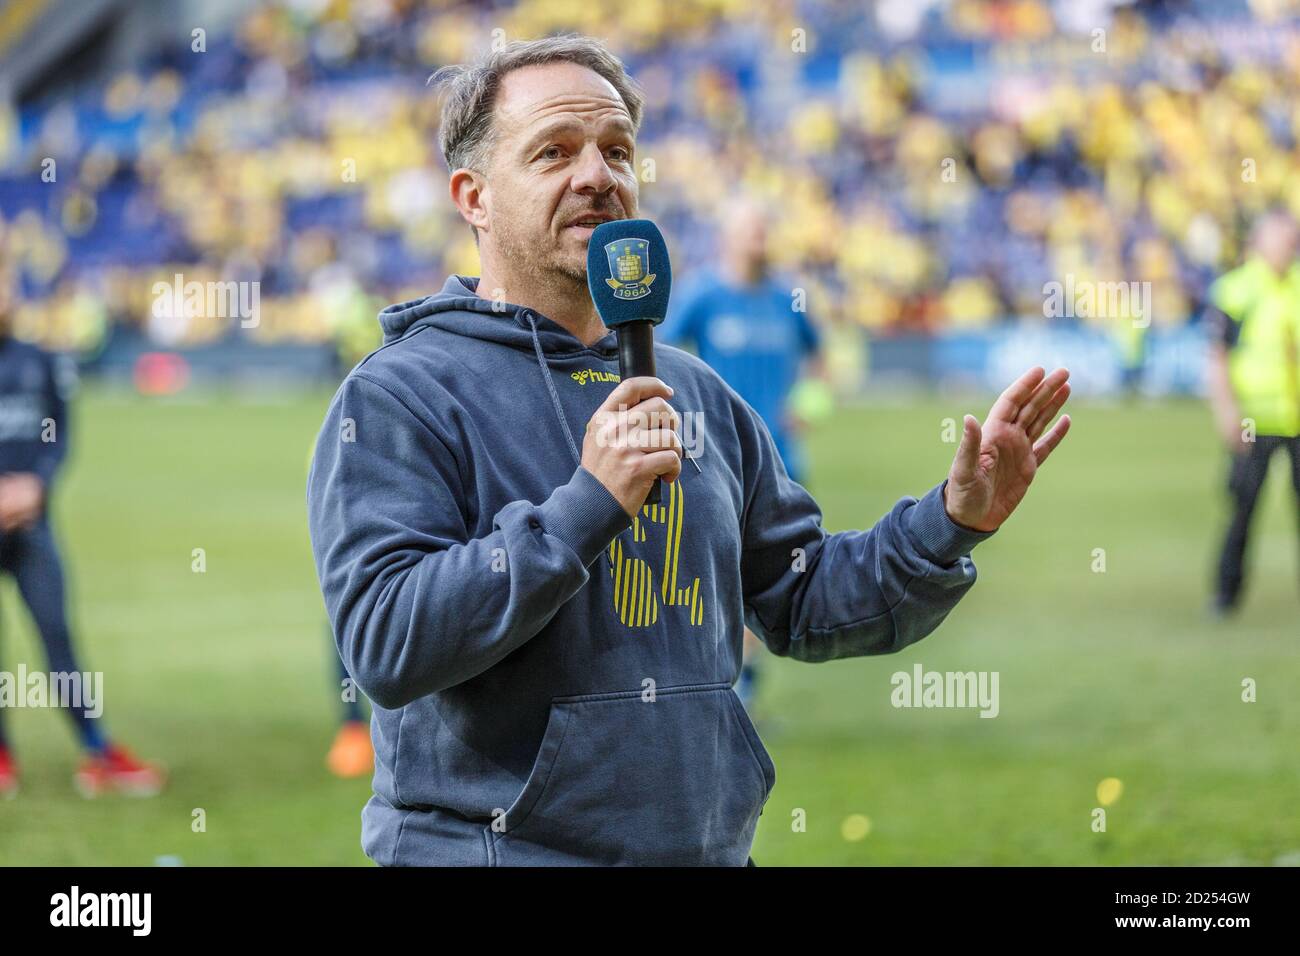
(545, 272)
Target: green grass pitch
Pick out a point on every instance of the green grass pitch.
(225, 675)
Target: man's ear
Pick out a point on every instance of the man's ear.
(469, 192)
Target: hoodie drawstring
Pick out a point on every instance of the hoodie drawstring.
(559, 409)
(550, 387)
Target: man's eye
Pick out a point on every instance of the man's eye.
(552, 152)
(620, 153)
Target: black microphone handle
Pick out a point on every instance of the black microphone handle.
(636, 357)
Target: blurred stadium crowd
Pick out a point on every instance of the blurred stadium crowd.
(930, 164)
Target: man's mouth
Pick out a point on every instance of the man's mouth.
(584, 226)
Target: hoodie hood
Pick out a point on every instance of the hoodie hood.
(458, 309)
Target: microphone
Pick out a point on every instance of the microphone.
(630, 277)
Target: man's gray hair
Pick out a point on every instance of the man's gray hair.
(466, 132)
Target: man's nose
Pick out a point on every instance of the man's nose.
(592, 174)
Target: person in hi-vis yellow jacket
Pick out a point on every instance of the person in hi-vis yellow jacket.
(1254, 318)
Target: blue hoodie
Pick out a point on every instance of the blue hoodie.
(552, 680)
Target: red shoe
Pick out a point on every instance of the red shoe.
(116, 771)
(8, 776)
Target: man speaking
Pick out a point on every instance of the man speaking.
(550, 659)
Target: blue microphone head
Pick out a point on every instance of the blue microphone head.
(628, 272)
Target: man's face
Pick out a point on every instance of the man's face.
(562, 162)
(745, 237)
(1277, 243)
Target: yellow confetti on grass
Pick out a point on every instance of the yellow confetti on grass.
(855, 827)
(1109, 790)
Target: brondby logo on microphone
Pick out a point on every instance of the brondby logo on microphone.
(629, 268)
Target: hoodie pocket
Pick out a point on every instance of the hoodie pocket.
(619, 779)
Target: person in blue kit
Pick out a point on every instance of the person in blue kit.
(744, 324)
(34, 387)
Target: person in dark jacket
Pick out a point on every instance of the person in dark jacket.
(34, 438)
(552, 660)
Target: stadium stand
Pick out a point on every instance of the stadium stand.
(935, 163)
